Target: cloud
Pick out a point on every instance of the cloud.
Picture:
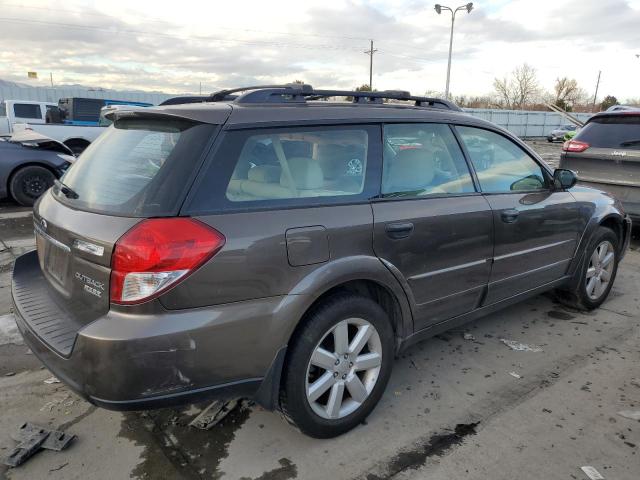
(119, 44)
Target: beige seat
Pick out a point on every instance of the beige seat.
(411, 170)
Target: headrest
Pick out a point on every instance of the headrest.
(306, 174)
(265, 174)
(412, 169)
(333, 160)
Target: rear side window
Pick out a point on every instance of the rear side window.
(139, 167)
(423, 159)
(290, 166)
(26, 110)
(299, 164)
(622, 132)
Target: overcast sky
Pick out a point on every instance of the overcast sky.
(173, 46)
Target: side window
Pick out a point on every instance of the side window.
(423, 159)
(27, 110)
(297, 163)
(501, 165)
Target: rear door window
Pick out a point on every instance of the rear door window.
(620, 132)
(26, 110)
(423, 159)
(139, 167)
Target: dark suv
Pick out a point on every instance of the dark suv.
(606, 155)
(279, 245)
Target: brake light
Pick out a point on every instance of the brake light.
(574, 146)
(158, 253)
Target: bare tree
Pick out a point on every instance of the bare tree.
(518, 89)
(567, 93)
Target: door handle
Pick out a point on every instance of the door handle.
(398, 230)
(509, 216)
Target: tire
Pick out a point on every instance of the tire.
(314, 417)
(550, 139)
(589, 294)
(28, 183)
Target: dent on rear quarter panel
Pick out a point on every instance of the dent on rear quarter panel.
(596, 206)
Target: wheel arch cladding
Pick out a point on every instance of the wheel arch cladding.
(615, 223)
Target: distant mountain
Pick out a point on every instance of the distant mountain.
(9, 84)
(6, 83)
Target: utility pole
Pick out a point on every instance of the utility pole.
(370, 52)
(593, 107)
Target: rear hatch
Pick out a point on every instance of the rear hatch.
(610, 150)
(141, 167)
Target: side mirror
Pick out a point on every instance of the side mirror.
(564, 179)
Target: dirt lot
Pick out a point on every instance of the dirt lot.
(453, 408)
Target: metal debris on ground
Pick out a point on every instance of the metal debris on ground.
(32, 438)
(521, 347)
(9, 374)
(213, 414)
(515, 375)
(631, 414)
(51, 380)
(592, 473)
(468, 336)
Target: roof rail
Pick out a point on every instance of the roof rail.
(300, 93)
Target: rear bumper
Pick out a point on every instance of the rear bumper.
(125, 361)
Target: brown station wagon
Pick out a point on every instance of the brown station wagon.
(271, 243)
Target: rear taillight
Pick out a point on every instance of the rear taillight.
(574, 146)
(156, 254)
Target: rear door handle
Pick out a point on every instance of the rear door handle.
(510, 216)
(398, 230)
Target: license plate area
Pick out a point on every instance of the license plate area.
(53, 257)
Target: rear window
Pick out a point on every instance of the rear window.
(622, 132)
(26, 110)
(139, 167)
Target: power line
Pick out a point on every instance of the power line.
(159, 20)
(174, 36)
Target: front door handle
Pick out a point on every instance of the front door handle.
(509, 216)
(398, 230)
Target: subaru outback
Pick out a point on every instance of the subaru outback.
(277, 245)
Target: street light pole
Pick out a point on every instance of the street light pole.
(439, 8)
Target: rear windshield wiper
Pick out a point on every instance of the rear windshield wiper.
(66, 190)
(629, 143)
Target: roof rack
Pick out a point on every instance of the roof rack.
(301, 93)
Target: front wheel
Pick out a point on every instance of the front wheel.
(597, 274)
(338, 366)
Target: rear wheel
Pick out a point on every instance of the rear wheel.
(597, 274)
(338, 366)
(28, 183)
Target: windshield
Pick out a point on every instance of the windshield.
(139, 167)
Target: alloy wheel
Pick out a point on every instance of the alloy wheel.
(600, 270)
(344, 368)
